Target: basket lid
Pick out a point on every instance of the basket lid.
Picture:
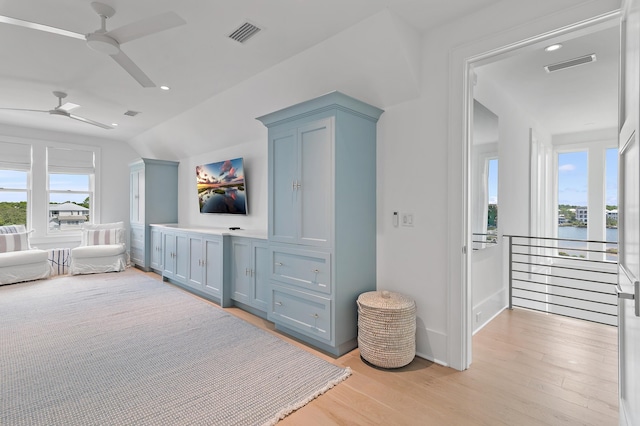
(385, 300)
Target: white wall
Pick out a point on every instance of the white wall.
(420, 142)
(489, 280)
(255, 169)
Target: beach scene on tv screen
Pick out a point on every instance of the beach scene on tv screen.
(221, 187)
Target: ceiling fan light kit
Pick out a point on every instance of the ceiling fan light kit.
(103, 43)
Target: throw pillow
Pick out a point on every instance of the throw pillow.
(95, 226)
(12, 229)
(97, 237)
(14, 242)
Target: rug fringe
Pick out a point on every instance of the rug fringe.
(296, 406)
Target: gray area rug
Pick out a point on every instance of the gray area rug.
(125, 349)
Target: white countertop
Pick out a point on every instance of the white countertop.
(249, 233)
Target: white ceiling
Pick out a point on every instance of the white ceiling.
(578, 99)
(196, 60)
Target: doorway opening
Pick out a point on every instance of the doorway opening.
(546, 102)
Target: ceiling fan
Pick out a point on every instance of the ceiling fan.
(63, 110)
(109, 42)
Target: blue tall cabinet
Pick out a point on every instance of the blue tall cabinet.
(322, 218)
(153, 199)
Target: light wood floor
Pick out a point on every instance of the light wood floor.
(528, 369)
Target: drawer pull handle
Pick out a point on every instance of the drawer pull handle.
(279, 303)
(316, 316)
(278, 264)
(315, 271)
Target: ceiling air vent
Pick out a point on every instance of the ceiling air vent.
(132, 113)
(244, 32)
(571, 63)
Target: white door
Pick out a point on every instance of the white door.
(629, 220)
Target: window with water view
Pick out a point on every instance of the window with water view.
(575, 217)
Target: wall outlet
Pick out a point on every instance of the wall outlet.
(407, 219)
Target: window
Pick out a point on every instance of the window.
(14, 194)
(492, 207)
(70, 188)
(611, 190)
(15, 166)
(611, 199)
(588, 200)
(572, 188)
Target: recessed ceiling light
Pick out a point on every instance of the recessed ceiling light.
(164, 87)
(114, 124)
(553, 47)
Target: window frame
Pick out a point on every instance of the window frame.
(89, 168)
(26, 190)
(596, 154)
(90, 192)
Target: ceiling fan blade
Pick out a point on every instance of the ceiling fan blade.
(86, 120)
(41, 27)
(21, 109)
(145, 27)
(125, 62)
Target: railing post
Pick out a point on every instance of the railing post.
(510, 272)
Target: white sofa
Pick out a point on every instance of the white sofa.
(18, 261)
(102, 249)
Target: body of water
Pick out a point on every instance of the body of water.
(576, 233)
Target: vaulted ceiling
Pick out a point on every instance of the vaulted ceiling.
(196, 60)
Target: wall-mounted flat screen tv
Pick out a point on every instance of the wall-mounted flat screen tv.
(221, 187)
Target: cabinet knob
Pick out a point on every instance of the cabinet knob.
(315, 271)
(279, 303)
(316, 316)
(278, 264)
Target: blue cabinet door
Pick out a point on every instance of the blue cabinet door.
(213, 264)
(260, 275)
(301, 184)
(182, 258)
(315, 188)
(196, 268)
(282, 194)
(168, 255)
(156, 249)
(241, 288)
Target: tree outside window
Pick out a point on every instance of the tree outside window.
(14, 194)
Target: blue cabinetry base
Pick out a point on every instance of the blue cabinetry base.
(216, 300)
(335, 351)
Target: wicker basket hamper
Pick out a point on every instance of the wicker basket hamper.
(386, 328)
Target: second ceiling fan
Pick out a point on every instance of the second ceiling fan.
(109, 42)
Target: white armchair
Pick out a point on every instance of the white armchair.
(18, 261)
(102, 249)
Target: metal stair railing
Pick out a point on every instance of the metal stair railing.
(573, 278)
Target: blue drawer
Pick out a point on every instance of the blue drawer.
(302, 312)
(307, 269)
